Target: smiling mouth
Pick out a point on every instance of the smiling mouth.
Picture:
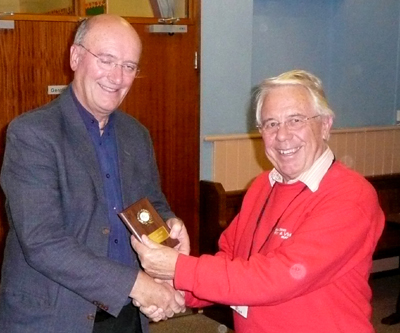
(287, 152)
(107, 88)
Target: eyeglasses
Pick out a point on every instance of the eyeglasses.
(104, 62)
(292, 123)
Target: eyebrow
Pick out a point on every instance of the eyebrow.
(109, 55)
(297, 114)
(291, 115)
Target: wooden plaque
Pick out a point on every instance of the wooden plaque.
(141, 218)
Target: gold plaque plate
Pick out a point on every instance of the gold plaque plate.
(142, 219)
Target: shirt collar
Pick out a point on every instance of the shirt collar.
(313, 176)
(89, 120)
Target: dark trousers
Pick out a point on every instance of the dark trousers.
(128, 321)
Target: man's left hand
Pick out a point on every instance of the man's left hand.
(157, 260)
(179, 232)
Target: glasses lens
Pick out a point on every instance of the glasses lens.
(109, 65)
(295, 123)
(105, 64)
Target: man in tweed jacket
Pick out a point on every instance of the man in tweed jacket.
(69, 167)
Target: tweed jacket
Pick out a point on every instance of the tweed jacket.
(55, 271)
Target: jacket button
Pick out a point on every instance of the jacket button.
(90, 316)
(106, 231)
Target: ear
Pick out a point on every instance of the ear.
(327, 122)
(74, 56)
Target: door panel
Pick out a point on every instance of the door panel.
(165, 98)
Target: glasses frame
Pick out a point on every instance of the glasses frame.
(100, 63)
(275, 129)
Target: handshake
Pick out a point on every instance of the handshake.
(153, 291)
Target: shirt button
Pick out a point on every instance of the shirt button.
(108, 175)
(106, 231)
(116, 241)
(90, 316)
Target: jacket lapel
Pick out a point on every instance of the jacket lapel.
(125, 159)
(80, 140)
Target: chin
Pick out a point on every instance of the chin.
(108, 108)
(289, 174)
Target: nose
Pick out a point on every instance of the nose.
(283, 133)
(116, 74)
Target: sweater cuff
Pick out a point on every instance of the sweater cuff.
(185, 272)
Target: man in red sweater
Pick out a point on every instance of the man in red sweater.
(298, 255)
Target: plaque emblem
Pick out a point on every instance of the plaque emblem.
(144, 217)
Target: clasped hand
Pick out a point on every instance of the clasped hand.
(161, 301)
(159, 262)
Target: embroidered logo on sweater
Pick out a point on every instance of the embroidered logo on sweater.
(282, 233)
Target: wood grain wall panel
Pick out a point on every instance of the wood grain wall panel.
(341, 142)
(351, 148)
(260, 161)
(238, 161)
(332, 142)
(225, 169)
(388, 143)
(369, 164)
(29, 62)
(245, 155)
(165, 98)
(232, 163)
(219, 167)
(32, 56)
(379, 153)
(360, 152)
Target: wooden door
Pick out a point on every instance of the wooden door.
(165, 98)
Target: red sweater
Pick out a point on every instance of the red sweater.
(310, 259)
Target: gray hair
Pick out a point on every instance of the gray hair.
(82, 30)
(295, 77)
